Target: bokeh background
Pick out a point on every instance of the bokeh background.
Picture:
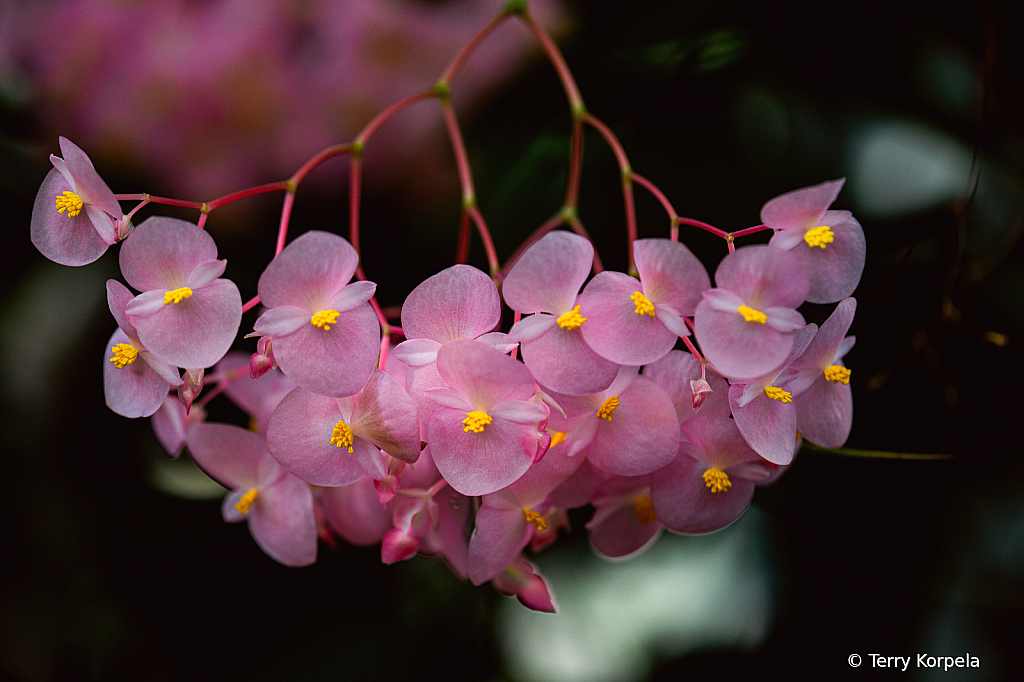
(114, 562)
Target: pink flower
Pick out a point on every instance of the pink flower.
(829, 243)
(325, 335)
(636, 323)
(624, 522)
(745, 326)
(278, 506)
(486, 430)
(522, 580)
(135, 382)
(75, 216)
(186, 314)
(545, 281)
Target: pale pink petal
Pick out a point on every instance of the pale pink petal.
(529, 587)
(485, 376)
(68, 241)
(229, 454)
(685, 504)
(282, 522)
(614, 329)
(281, 321)
(335, 362)
(562, 361)
(521, 411)
(824, 413)
(617, 533)
(547, 277)
(355, 513)
(166, 370)
(136, 390)
(670, 274)
(784, 319)
(102, 223)
(737, 348)
(118, 297)
(299, 438)
(835, 271)
(146, 304)
(88, 183)
(308, 272)
(386, 416)
(499, 341)
(643, 434)
(769, 426)
(416, 352)
(500, 534)
(199, 330)
(161, 253)
(458, 303)
(205, 272)
(764, 277)
(351, 295)
(448, 397)
(675, 371)
(531, 327)
(671, 318)
(803, 208)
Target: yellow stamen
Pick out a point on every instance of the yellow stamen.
(641, 304)
(643, 510)
(571, 320)
(538, 520)
(70, 202)
(124, 355)
(819, 236)
(177, 295)
(717, 480)
(751, 315)
(608, 408)
(342, 436)
(475, 421)
(778, 394)
(324, 319)
(556, 438)
(246, 501)
(837, 374)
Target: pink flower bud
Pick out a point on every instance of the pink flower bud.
(262, 361)
(191, 388)
(700, 388)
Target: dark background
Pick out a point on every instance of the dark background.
(105, 576)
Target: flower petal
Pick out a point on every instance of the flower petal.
(308, 272)
(460, 302)
(162, 252)
(549, 274)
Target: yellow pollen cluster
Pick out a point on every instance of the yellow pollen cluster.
(776, 393)
(324, 319)
(177, 295)
(642, 306)
(571, 320)
(751, 315)
(538, 520)
(837, 374)
(246, 501)
(717, 480)
(643, 510)
(819, 236)
(556, 438)
(607, 409)
(475, 421)
(342, 436)
(70, 202)
(124, 355)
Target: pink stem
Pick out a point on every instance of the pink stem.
(572, 185)
(160, 200)
(329, 153)
(627, 185)
(464, 53)
(673, 217)
(381, 118)
(385, 342)
(245, 193)
(136, 209)
(201, 223)
(251, 303)
(704, 226)
(286, 214)
(354, 183)
(462, 251)
(515, 320)
(459, 149)
(578, 228)
(750, 230)
(557, 61)
(693, 350)
(485, 235)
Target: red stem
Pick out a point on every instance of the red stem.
(578, 228)
(557, 61)
(381, 118)
(750, 230)
(464, 53)
(286, 214)
(627, 185)
(572, 184)
(251, 303)
(462, 251)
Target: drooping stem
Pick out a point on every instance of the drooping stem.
(286, 214)
(750, 230)
(471, 46)
(627, 185)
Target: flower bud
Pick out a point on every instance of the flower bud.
(700, 388)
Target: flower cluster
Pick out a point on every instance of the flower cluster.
(452, 436)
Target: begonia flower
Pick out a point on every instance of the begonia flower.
(522, 580)
(185, 314)
(745, 326)
(278, 506)
(764, 408)
(135, 381)
(629, 429)
(486, 430)
(830, 244)
(336, 441)
(545, 281)
(634, 322)
(824, 408)
(75, 216)
(711, 483)
(624, 522)
(326, 337)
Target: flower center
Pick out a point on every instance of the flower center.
(124, 355)
(776, 393)
(177, 295)
(643, 510)
(342, 436)
(538, 520)
(642, 306)
(246, 501)
(717, 480)
(475, 421)
(837, 374)
(751, 315)
(324, 319)
(819, 236)
(70, 202)
(608, 408)
(571, 320)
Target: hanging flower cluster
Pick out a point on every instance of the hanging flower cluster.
(447, 436)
